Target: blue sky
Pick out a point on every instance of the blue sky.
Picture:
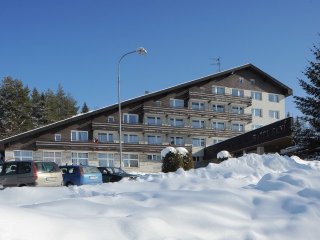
(78, 43)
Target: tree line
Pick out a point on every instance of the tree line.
(22, 109)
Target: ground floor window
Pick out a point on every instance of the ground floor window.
(154, 157)
(198, 142)
(22, 155)
(79, 158)
(106, 159)
(131, 160)
(197, 159)
(53, 157)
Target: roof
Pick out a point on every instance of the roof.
(283, 87)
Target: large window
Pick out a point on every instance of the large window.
(106, 159)
(176, 103)
(79, 158)
(105, 137)
(131, 160)
(79, 136)
(130, 118)
(237, 127)
(131, 138)
(256, 95)
(177, 141)
(273, 97)
(53, 157)
(218, 90)
(218, 126)
(176, 122)
(154, 140)
(237, 109)
(198, 142)
(218, 108)
(198, 124)
(197, 105)
(22, 155)
(257, 112)
(154, 121)
(237, 92)
(274, 114)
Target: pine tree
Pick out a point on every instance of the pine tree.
(310, 104)
(84, 108)
(15, 107)
(38, 112)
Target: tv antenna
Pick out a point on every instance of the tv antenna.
(217, 62)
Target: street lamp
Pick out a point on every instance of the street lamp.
(140, 51)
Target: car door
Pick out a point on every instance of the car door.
(9, 174)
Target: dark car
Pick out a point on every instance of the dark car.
(79, 175)
(113, 174)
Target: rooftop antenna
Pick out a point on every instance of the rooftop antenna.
(217, 61)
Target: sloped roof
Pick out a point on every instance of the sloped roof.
(287, 92)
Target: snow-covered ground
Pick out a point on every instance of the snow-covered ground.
(251, 197)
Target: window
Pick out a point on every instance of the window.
(255, 126)
(131, 138)
(110, 119)
(273, 97)
(130, 118)
(218, 108)
(105, 137)
(198, 124)
(154, 121)
(10, 168)
(106, 159)
(241, 79)
(237, 127)
(79, 136)
(256, 95)
(154, 157)
(57, 137)
(79, 158)
(196, 159)
(154, 140)
(53, 157)
(237, 92)
(237, 110)
(197, 105)
(176, 103)
(215, 141)
(218, 126)
(252, 81)
(22, 155)
(198, 142)
(176, 122)
(274, 114)
(131, 160)
(157, 103)
(257, 112)
(177, 141)
(218, 90)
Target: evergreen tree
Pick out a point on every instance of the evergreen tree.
(15, 107)
(38, 112)
(309, 105)
(84, 108)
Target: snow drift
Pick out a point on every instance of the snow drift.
(252, 197)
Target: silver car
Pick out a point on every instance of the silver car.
(30, 173)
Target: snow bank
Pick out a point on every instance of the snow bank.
(252, 197)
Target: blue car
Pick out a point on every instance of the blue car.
(79, 175)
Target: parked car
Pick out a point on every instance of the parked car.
(79, 175)
(30, 173)
(113, 174)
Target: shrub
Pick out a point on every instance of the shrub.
(175, 160)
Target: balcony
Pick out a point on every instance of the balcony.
(247, 101)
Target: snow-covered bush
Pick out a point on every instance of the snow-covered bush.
(175, 158)
(223, 155)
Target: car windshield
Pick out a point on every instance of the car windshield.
(47, 167)
(90, 170)
(119, 171)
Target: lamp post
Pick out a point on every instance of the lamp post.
(140, 51)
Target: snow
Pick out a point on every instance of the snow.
(166, 150)
(223, 154)
(251, 197)
(183, 151)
